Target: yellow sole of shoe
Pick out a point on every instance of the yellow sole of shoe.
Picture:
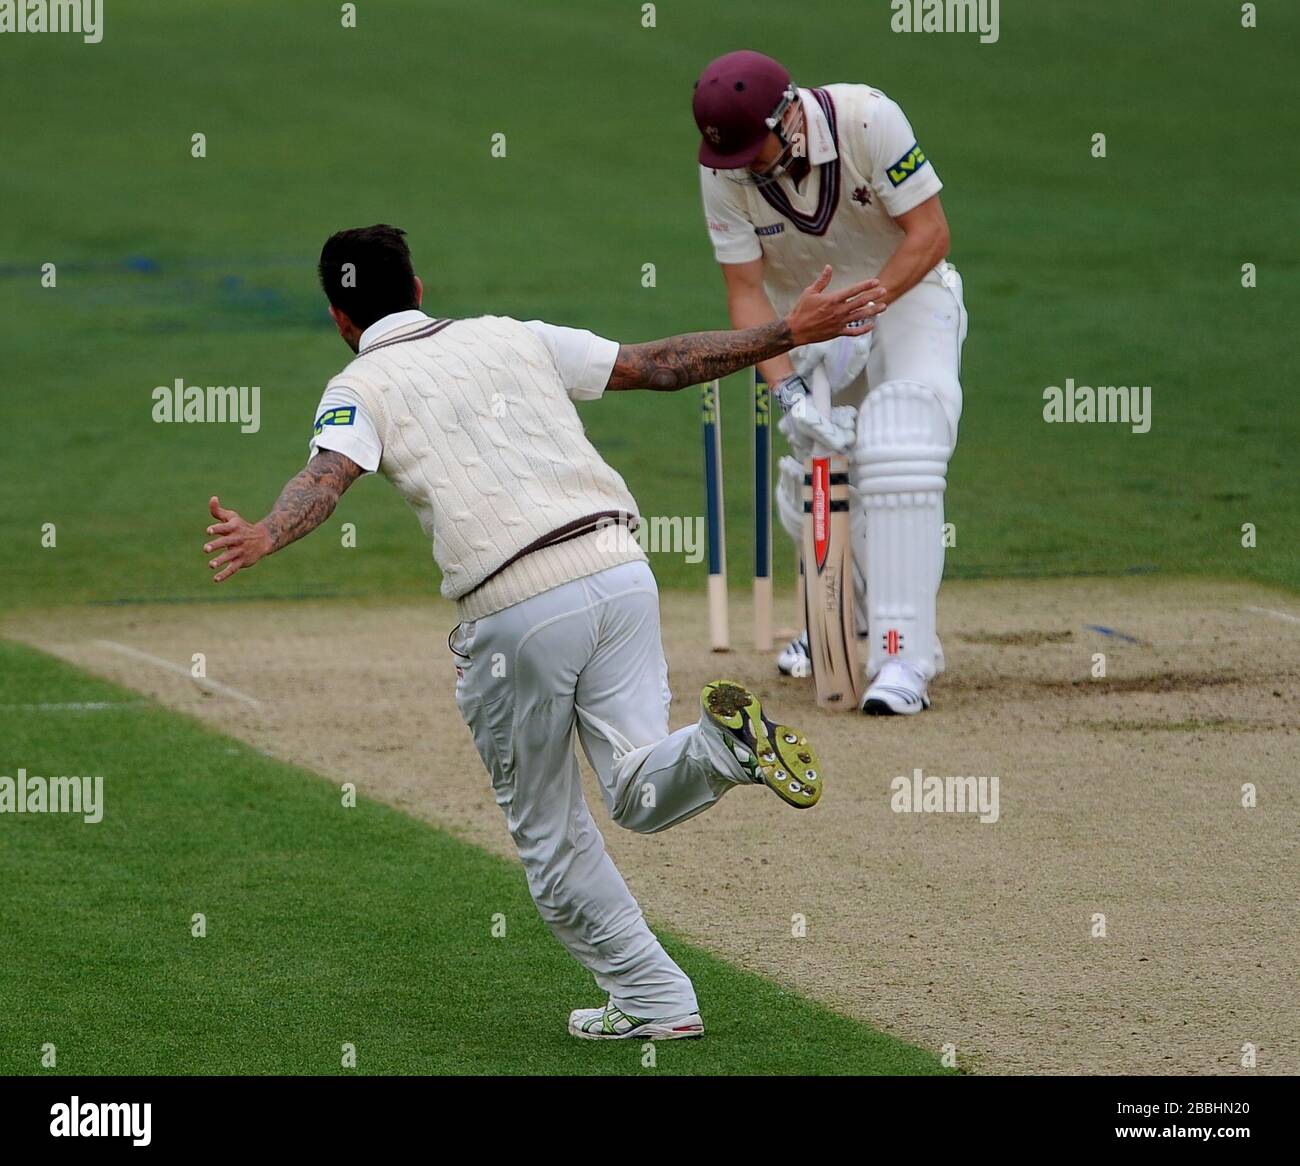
(784, 759)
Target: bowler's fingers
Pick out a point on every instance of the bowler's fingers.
(819, 284)
(857, 289)
(228, 540)
(857, 328)
(865, 310)
(217, 511)
(227, 564)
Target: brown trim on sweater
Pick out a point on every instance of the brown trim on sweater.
(422, 332)
(562, 534)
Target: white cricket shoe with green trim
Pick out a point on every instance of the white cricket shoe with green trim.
(612, 1023)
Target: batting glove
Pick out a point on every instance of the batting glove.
(793, 388)
(805, 428)
(843, 358)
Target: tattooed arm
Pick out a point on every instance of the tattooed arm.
(306, 501)
(697, 357)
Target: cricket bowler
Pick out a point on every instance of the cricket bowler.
(794, 179)
(558, 637)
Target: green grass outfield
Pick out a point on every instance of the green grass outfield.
(1117, 271)
(325, 925)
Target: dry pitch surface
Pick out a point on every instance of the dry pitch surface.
(1120, 796)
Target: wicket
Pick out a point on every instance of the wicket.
(711, 414)
(762, 514)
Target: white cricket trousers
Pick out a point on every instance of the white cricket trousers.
(585, 658)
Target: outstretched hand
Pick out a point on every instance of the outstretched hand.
(822, 315)
(241, 542)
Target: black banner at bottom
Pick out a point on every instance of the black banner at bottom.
(357, 1113)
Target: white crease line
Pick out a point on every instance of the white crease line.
(1275, 614)
(71, 706)
(214, 686)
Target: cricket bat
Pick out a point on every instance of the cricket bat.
(828, 569)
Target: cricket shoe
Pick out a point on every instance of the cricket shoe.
(897, 691)
(776, 755)
(795, 659)
(612, 1023)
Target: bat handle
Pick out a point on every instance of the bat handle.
(820, 392)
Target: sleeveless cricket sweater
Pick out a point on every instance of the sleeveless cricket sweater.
(481, 439)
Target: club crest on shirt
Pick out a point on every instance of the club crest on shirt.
(862, 195)
(339, 415)
(907, 165)
(771, 229)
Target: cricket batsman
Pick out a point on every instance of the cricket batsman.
(557, 642)
(794, 179)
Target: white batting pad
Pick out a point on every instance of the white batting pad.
(900, 470)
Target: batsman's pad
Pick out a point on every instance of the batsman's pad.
(900, 471)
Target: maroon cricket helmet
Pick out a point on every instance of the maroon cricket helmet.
(734, 98)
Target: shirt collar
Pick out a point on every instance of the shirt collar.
(821, 142)
(386, 324)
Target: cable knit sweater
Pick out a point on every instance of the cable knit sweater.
(481, 438)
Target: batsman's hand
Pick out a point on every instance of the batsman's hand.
(821, 315)
(240, 542)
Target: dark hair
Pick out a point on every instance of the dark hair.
(380, 278)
